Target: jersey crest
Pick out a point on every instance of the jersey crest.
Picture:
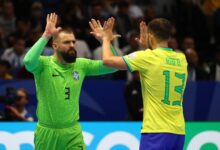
(76, 75)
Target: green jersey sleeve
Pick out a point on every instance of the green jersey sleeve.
(94, 67)
(32, 59)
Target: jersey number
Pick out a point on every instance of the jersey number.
(67, 93)
(178, 88)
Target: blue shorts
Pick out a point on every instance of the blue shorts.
(161, 141)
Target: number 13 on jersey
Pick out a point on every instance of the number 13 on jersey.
(178, 88)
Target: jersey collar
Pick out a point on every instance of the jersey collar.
(59, 64)
(164, 49)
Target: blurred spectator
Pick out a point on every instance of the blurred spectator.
(134, 10)
(164, 7)
(133, 44)
(195, 71)
(5, 70)
(15, 55)
(34, 36)
(215, 67)
(73, 16)
(97, 53)
(124, 24)
(23, 27)
(2, 41)
(22, 8)
(188, 43)
(17, 111)
(172, 43)
(133, 98)
(37, 16)
(217, 26)
(51, 5)
(7, 20)
(190, 20)
(149, 13)
(209, 6)
(96, 10)
(82, 49)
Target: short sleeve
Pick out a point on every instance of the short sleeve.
(137, 61)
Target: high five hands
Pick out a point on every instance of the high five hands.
(103, 32)
(106, 31)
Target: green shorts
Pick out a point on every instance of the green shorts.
(70, 138)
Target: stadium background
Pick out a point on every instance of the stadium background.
(103, 103)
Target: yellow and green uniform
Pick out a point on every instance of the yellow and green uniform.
(58, 89)
(163, 75)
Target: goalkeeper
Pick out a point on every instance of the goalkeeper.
(58, 81)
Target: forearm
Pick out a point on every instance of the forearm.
(114, 52)
(106, 51)
(109, 59)
(31, 59)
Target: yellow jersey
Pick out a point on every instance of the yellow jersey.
(163, 76)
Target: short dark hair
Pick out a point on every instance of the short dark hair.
(63, 30)
(160, 28)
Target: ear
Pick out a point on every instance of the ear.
(54, 45)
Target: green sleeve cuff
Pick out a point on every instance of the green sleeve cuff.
(128, 65)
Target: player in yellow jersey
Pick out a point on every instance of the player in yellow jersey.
(163, 74)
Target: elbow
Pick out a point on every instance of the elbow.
(105, 61)
(26, 61)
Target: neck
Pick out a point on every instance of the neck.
(59, 59)
(161, 44)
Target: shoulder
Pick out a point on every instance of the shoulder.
(140, 53)
(81, 62)
(45, 59)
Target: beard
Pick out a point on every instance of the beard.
(69, 56)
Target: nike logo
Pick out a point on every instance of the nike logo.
(55, 75)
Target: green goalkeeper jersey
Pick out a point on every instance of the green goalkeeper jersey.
(58, 86)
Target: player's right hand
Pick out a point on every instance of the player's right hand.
(51, 28)
(107, 30)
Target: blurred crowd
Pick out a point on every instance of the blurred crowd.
(196, 32)
(14, 105)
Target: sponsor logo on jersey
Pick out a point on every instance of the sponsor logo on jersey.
(131, 56)
(75, 75)
(55, 75)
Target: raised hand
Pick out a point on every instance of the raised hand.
(143, 34)
(51, 28)
(107, 29)
(97, 29)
